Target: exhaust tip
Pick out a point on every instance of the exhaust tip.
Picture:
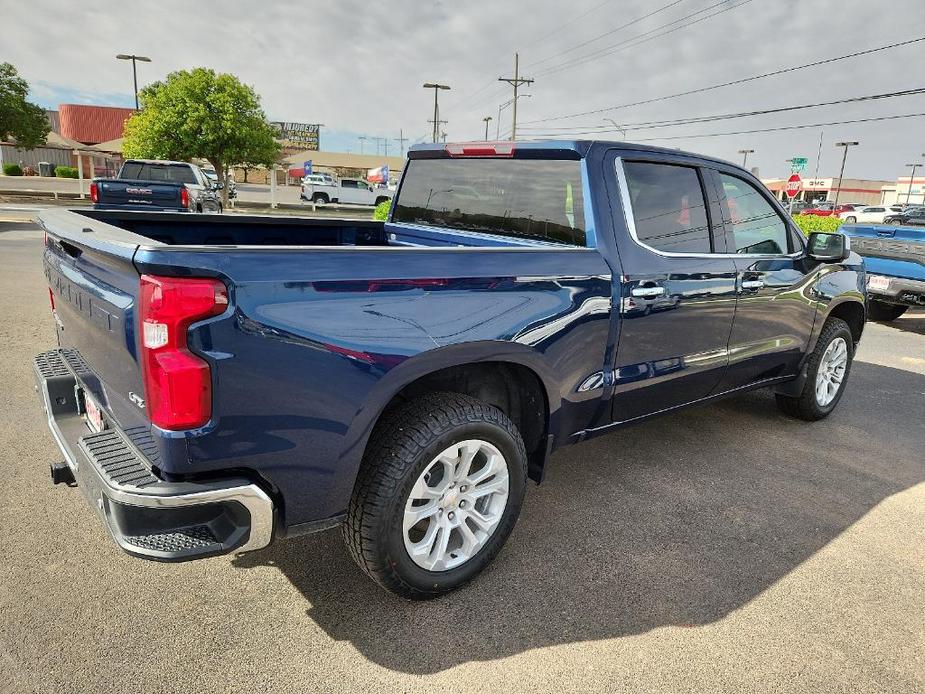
(61, 474)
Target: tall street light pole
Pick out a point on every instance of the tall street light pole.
(487, 120)
(134, 59)
(841, 173)
(436, 87)
(745, 153)
(911, 180)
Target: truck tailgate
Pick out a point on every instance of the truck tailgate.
(138, 193)
(94, 287)
(889, 250)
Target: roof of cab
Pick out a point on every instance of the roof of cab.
(538, 148)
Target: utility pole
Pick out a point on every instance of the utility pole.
(487, 120)
(515, 82)
(745, 153)
(401, 140)
(134, 58)
(362, 139)
(911, 181)
(437, 124)
(436, 87)
(841, 173)
(385, 146)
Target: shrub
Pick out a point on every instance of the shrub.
(66, 171)
(381, 212)
(809, 223)
(12, 169)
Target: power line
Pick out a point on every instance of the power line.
(730, 84)
(645, 37)
(650, 125)
(780, 128)
(606, 33)
(560, 27)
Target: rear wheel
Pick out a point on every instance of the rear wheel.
(320, 199)
(827, 374)
(438, 493)
(851, 219)
(381, 200)
(880, 310)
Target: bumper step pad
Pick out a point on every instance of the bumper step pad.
(199, 537)
(116, 459)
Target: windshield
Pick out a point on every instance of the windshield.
(527, 198)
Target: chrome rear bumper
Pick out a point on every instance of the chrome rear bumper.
(147, 516)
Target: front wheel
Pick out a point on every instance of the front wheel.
(827, 374)
(851, 220)
(438, 493)
(880, 310)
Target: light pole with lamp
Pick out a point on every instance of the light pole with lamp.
(911, 181)
(841, 173)
(436, 87)
(501, 108)
(745, 153)
(487, 120)
(134, 59)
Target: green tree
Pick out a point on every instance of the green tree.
(201, 114)
(20, 120)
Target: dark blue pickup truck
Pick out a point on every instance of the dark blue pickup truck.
(220, 383)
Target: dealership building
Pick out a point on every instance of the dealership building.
(823, 189)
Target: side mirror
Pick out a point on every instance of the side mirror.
(828, 248)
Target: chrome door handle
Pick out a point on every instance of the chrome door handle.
(752, 284)
(648, 291)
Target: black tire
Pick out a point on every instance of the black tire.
(402, 445)
(382, 199)
(851, 220)
(320, 199)
(806, 406)
(880, 310)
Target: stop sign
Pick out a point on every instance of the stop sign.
(793, 185)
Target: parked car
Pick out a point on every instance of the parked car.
(798, 207)
(229, 181)
(146, 184)
(911, 216)
(347, 190)
(406, 379)
(827, 209)
(895, 261)
(874, 214)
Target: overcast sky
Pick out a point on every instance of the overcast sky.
(358, 67)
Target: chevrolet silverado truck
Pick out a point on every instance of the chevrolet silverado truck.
(143, 184)
(895, 259)
(219, 384)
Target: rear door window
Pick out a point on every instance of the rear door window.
(523, 198)
(668, 207)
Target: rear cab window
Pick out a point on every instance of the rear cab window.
(540, 199)
(153, 171)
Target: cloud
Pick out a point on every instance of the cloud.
(358, 67)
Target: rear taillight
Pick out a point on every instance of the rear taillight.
(184, 197)
(178, 384)
(480, 149)
(94, 193)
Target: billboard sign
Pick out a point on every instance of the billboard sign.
(304, 135)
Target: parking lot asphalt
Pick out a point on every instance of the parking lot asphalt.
(724, 548)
